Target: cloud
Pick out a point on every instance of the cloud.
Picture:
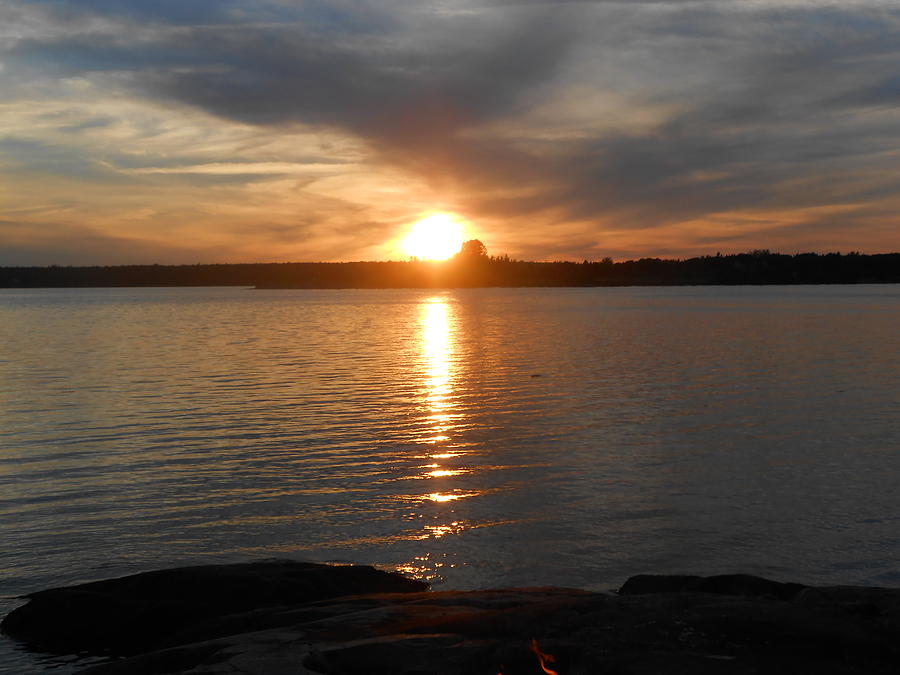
(582, 118)
(49, 243)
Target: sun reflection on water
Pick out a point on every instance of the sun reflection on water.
(436, 350)
(443, 473)
(445, 496)
(438, 531)
(441, 423)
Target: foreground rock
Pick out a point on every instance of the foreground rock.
(733, 624)
(146, 611)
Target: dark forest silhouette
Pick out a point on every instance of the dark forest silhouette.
(473, 267)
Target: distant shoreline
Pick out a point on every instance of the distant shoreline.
(753, 268)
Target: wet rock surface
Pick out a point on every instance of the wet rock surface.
(733, 624)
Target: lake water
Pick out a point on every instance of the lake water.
(474, 438)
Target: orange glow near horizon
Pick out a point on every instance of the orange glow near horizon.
(438, 236)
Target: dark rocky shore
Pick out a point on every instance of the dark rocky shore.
(278, 617)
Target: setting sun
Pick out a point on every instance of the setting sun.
(435, 237)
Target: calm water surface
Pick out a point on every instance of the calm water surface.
(473, 438)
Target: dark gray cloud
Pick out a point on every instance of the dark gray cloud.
(190, 13)
(368, 83)
(771, 120)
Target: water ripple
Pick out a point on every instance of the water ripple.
(473, 437)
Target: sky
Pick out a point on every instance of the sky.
(187, 131)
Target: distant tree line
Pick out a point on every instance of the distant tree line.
(474, 267)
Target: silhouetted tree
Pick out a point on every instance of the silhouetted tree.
(472, 250)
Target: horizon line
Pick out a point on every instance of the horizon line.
(490, 258)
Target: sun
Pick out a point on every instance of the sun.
(435, 237)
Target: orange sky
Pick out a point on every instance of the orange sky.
(237, 131)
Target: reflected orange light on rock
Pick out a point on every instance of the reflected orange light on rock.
(543, 658)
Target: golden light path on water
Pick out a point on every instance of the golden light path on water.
(436, 349)
(437, 339)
